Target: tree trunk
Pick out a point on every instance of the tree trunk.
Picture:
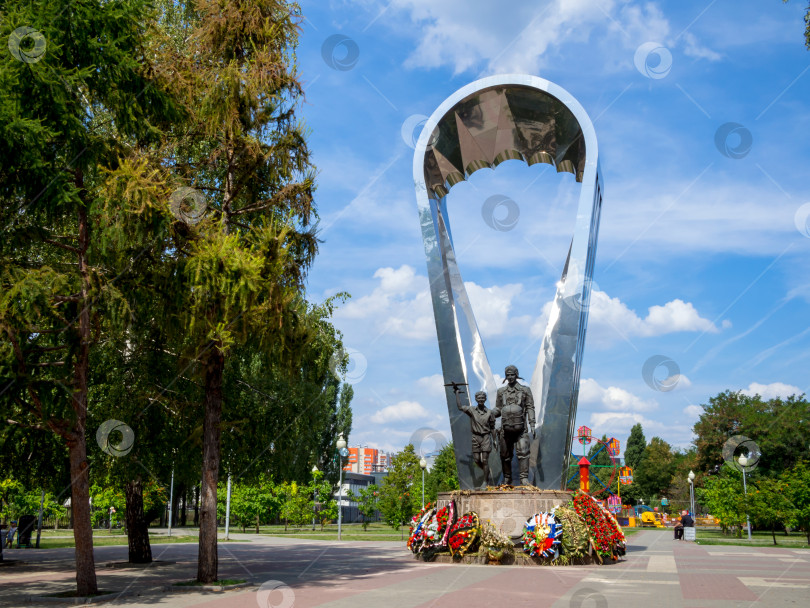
(257, 524)
(176, 505)
(196, 506)
(140, 551)
(773, 532)
(185, 505)
(86, 583)
(207, 561)
(82, 529)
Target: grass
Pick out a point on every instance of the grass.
(759, 539)
(104, 541)
(223, 583)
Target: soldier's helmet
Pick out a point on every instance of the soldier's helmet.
(511, 368)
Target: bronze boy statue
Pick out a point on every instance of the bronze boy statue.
(482, 425)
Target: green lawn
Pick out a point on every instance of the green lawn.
(103, 541)
(759, 539)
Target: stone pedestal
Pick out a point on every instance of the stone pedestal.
(508, 509)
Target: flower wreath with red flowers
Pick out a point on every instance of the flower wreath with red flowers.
(607, 537)
(464, 533)
(437, 530)
(541, 536)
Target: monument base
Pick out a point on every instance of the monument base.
(507, 507)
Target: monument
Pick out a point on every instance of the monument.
(481, 125)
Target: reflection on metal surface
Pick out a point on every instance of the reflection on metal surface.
(484, 123)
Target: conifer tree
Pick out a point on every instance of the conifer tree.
(75, 82)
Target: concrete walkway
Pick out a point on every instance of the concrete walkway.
(289, 573)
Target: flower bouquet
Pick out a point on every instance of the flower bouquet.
(494, 543)
(607, 538)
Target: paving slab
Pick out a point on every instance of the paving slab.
(298, 573)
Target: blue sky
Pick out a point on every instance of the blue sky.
(705, 230)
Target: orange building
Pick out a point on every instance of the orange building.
(366, 460)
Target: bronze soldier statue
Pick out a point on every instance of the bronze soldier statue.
(515, 404)
(482, 425)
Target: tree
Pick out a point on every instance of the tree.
(807, 26)
(250, 503)
(653, 475)
(72, 90)
(778, 426)
(769, 505)
(367, 503)
(443, 476)
(722, 495)
(796, 484)
(398, 501)
(636, 444)
(244, 235)
(297, 503)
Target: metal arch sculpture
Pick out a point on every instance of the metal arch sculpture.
(494, 119)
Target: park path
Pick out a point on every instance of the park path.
(657, 572)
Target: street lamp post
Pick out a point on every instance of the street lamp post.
(692, 492)
(743, 460)
(423, 464)
(342, 453)
(315, 501)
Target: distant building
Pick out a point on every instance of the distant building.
(366, 460)
(354, 482)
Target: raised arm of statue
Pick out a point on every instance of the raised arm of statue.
(460, 407)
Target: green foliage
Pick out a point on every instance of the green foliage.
(722, 495)
(769, 505)
(296, 506)
(15, 501)
(251, 504)
(779, 426)
(367, 502)
(635, 446)
(654, 473)
(398, 494)
(443, 477)
(796, 485)
(322, 489)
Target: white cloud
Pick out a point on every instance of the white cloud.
(693, 411)
(612, 398)
(432, 386)
(400, 305)
(772, 390)
(613, 423)
(695, 49)
(402, 411)
(610, 319)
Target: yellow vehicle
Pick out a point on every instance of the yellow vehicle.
(649, 517)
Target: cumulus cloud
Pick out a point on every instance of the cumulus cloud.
(772, 390)
(402, 411)
(612, 398)
(400, 305)
(471, 34)
(693, 411)
(610, 319)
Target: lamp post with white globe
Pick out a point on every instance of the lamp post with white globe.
(342, 453)
(423, 465)
(691, 477)
(743, 460)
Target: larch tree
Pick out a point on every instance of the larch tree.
(75, 83)
(241, 265)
